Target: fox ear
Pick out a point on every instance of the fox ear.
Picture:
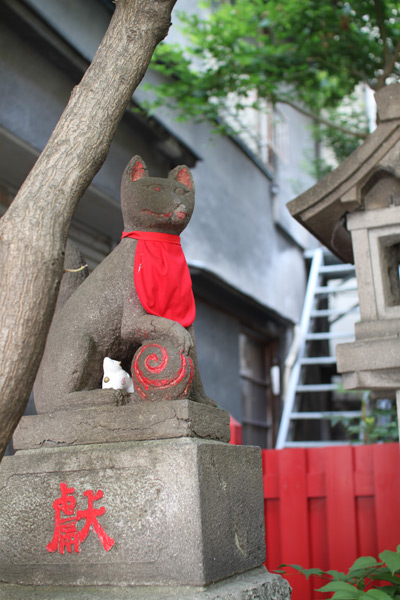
(137, 168)
(183, 175)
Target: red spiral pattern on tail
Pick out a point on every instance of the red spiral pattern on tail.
(146, 368)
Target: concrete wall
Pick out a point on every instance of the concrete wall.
(294, 172)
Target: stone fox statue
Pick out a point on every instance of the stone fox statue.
(136, 307)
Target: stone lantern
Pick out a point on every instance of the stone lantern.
(355, 212)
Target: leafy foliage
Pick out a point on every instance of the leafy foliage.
(308, 53)
(366, 578)
(378, 422)
(348, 117)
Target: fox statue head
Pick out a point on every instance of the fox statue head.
(157, 204)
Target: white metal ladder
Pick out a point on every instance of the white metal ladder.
(322, 269)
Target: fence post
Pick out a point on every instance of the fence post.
(387, 495)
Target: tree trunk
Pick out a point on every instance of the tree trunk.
(34, 230)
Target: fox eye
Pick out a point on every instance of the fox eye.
(179, 191)
(155, 188)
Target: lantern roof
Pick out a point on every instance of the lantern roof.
(323, 208)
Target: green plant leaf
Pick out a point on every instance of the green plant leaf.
(305, 572)
(377, 594)
(383, 574)
(343, 595)
(340, 586)
(392, 559)
(392, 590)
(309, 572)
(363, 563)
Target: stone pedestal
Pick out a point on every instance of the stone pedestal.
(256, 584)
(179, 517)
(106, 420)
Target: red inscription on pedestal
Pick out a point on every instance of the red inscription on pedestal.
(66, 535)
(90, 515)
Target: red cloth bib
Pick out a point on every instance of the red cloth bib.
(161, 276)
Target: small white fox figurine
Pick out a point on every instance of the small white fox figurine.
(115, 377)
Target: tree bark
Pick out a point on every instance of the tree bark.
(34, 230)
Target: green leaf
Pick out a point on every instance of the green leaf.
(305, 572)
(308, 572)
(342, 596)
(392, 559)
(377, 594)
(340, 586)
(383, 574)
(392, 590)
(297, 567)
(363, 563)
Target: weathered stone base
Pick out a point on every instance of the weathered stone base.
(181, 512)
(256, 584)
(105, 421)
(381, 358)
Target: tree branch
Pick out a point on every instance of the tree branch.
(321, 120)
(389, 66)
(380, 20)
(32, 260)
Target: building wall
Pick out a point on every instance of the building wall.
(234, 230)
(34, 92)
(217, 337)
(237, 233)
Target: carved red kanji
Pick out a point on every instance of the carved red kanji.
(66, 535)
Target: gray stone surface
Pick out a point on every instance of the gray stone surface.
(385, 268)
(363, 263)
(106, 316)
(135, 421)
(380, 380)
(370, 363)
(373, 360)
(371, 354)
(388, 102)
(183, 511)
(256, 584)
(367, 330)
(375, 236)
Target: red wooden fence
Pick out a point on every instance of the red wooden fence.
(324, 507)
